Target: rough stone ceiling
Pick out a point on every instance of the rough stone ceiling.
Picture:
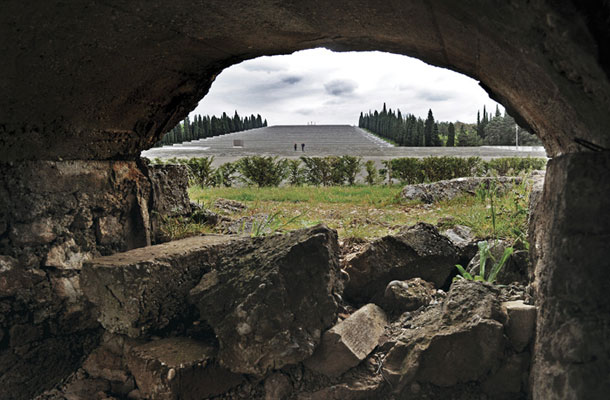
(105, 79)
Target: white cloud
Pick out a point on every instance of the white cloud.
(333, 88)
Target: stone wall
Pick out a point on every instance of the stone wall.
(572, 275)
(53, 217)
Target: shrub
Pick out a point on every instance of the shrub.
(295, 172)
(317, 171)
(224, 175)
(335, 167)
(200, 170)
(351, 167)
(514, 165)
(372, 175)
(262, 171)
(406, 170)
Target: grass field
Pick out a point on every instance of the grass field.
(371, 211)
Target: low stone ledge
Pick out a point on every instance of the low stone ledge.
(144, 289)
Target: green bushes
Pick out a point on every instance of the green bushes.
(331, 170)
(514, 165)
(335, 170)
(263, 171)
(433, 169)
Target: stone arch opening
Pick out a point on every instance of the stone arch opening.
(94, 84)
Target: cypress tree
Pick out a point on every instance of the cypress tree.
(429, 129)
(451, 135)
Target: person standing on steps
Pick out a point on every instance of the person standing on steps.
(295, 147)
(302, 146)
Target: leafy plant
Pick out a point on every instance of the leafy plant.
(200, 170)
(484, 255)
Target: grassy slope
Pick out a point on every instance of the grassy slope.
(371, 211)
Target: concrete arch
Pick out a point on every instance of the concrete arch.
(106, 79)
(103, 80)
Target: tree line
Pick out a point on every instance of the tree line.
(412, 131)
(203, 126)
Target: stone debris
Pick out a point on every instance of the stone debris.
(229, 206)
(349, 342)
(416, 251)
(145, 289)
(449, 189)
(401, 296)
(462, 238)
(269, 302)
(277, 386)
(459, 341)
(521, 323)
(179, 368)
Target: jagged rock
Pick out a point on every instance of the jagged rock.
(346, 344)
(416, 251)
(269, 303)
(105, 364)
(521, 323)
(145, 289)
(511, 379)
(179, 368)
(230, 206)
(66, 255)
(514, 270)
(462, 238)
(401, 296)
(169, 196)
(462, 340)
(449, 189)
(277, 386)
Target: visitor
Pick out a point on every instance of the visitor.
(302, 146)
(295, 147)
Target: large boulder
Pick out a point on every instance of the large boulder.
(460, 341)
(269, 302)
(145, 289)
(449, 189)
(416, 251)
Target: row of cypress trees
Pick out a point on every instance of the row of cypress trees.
(203, 126)
(404, 130)
(409, 130)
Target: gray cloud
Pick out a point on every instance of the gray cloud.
(291, 80)
(261, 66)
(325, 87)
(340, 87)
(435, 96)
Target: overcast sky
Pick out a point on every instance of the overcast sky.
(333, 88)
